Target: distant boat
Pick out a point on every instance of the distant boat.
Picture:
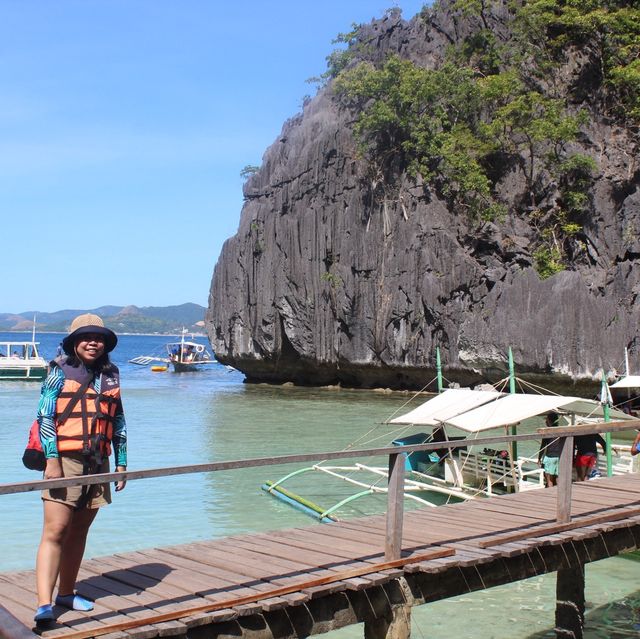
(185, 356)
(20, 360)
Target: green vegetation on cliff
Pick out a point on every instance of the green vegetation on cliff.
(493, 105)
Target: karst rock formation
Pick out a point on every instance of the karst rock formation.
(328, 282)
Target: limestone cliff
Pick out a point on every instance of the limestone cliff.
(327, 282)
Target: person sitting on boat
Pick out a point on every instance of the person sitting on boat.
(87, 385)
(586, 455)
(549, 453)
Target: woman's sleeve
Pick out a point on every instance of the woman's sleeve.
(120, 436)
(49, 393)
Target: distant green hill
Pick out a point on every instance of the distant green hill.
(123, 319)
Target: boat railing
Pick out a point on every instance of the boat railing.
(531, 475)
(396, 470)
(489, 470)
(622, 461)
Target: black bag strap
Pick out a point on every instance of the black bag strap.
(88, 468)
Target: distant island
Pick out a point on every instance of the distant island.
(122, 319)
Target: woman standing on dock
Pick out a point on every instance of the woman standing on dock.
(80, 416)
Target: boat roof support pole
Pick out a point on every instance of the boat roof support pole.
(512, 389)
(438, 369)
(606, 407)
(626, 361)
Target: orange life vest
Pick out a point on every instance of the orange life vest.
(89, 427)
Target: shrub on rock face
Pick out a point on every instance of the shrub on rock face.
(489, 105)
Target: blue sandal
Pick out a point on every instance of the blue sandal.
(44, 614)
(74, 601)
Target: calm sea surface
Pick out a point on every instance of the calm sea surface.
(178, 419)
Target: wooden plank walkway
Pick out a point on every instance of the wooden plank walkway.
(249, 575)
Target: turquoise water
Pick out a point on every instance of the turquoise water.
(177, 419)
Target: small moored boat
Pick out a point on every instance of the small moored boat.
(184, 356)
(20, 360)
(187, 356)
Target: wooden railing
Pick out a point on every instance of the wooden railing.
(395, 503)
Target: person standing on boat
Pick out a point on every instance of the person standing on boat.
(80, 416)
(549, 453)
(587, 453)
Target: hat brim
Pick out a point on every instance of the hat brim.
(110, 341)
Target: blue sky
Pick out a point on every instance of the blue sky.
(124, 125)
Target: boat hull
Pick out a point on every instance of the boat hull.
(186, 367)
(23, 373)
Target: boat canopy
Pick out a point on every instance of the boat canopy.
(629, 381)
(446, 405)
(494, 409)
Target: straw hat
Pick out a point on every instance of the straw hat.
(88, 323)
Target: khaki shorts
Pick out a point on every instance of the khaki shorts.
(72, 467)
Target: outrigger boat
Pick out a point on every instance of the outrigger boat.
(184, 356)
(469, 472)
(20, 360)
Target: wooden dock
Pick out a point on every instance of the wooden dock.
(302, 581)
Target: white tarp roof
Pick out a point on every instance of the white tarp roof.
(476, 411)
(512, 409)
(629, 381)
(446, 405)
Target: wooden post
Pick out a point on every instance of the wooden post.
(570, 602)
(395, 507)
(565, 476)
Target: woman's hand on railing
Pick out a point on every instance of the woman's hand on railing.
(123, 482)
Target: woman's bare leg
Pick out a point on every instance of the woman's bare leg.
(73, 548)
(55, 527)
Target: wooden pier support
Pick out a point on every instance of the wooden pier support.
(394, 616)
(570, 602)
(398, 626)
